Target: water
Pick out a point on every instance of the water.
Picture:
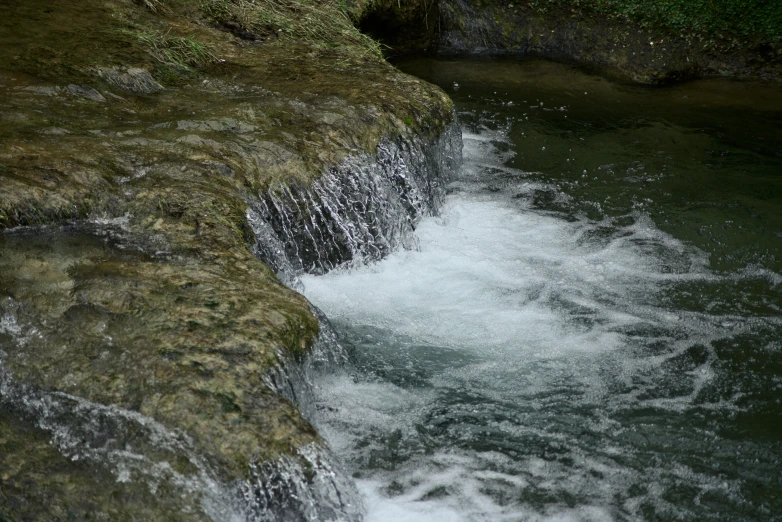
(356, 212)
(591, 328)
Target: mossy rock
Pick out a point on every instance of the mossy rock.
(38, 483)
(134, 137)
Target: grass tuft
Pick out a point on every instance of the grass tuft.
(180, 52)
(324, 24)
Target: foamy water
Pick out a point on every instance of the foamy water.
(521, 365)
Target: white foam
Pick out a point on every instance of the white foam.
(537, 309)
(488, 276)
(465, 499)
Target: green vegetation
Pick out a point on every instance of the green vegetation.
(723, 24)
(324, 25)
(182, 52)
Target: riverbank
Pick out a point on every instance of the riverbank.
(646, 49)
(643, 42)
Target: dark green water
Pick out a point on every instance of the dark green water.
(592, 329)
(704, 159)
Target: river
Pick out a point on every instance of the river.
(591, 328)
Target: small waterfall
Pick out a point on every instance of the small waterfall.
(292, 377)
(165, 464)
(309, 486)
(355, 213)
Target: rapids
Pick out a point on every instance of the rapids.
(553, 348)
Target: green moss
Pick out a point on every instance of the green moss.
(195, 321)
(169, 357)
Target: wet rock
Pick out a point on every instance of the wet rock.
(41, 484)
(138, 330)
(359, 211)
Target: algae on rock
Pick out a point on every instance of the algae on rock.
(132, 309)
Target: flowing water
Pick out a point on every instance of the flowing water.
(591, 329)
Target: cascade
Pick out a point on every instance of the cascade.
(132, 446)
(357, 212)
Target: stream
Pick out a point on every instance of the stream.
(591, 328)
